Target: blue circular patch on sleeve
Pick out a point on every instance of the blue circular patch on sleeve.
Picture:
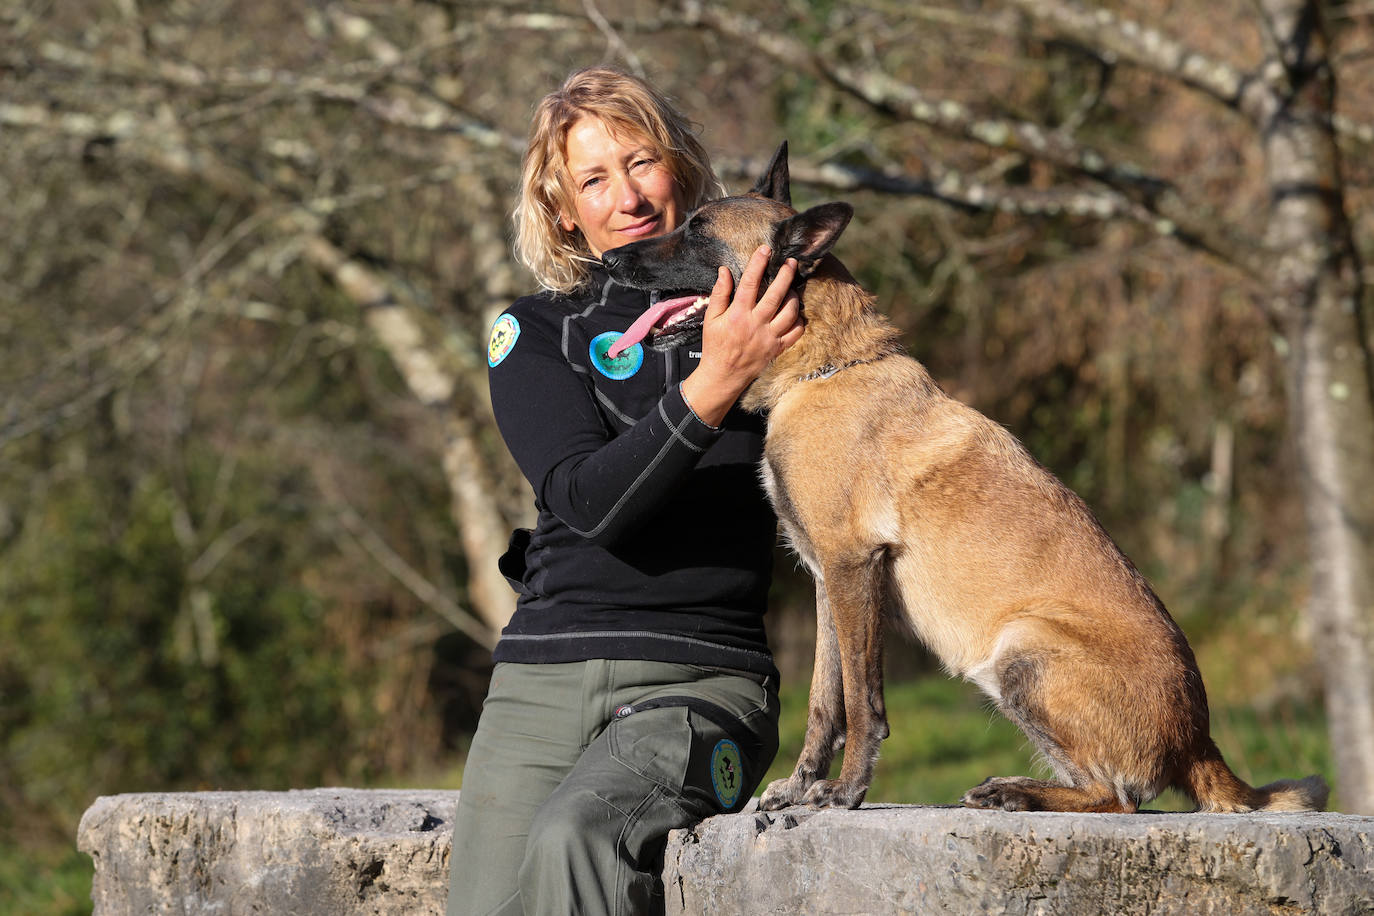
(504, 333)
(622, 366)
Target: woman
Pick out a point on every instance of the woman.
(634, 691)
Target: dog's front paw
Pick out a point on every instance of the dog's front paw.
(999, 792)
(834, 793)
(782, 793)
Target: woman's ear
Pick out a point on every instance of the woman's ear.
(567, 223)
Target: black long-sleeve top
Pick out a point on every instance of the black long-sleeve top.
(654, 538)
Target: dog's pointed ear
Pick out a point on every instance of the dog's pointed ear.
(809, 236)
(774, 183)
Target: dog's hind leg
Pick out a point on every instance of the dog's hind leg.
(825, 721)
(1022, 699)
(855, 588)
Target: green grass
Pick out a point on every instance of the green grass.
(47, 882)
(944, 740)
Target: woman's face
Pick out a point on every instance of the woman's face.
(621, 191)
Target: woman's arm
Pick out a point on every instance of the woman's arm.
(600, 484)
(603, 485)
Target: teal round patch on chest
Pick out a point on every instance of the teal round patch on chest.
(727, 772)
(622, 366)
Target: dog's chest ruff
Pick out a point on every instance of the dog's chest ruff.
(786, 510)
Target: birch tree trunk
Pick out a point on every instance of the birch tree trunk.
(475, 511)
(1317, 297)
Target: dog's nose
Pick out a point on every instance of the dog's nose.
(612, 260)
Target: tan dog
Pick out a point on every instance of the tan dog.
(904, 501)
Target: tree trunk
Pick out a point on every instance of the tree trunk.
(481, 525)
(475, 511)
(1317, 298)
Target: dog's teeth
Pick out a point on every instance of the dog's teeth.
(702, 302)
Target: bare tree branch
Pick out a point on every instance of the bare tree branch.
(1141, 197)
(1126, 40)
(876, 88)
(613, 38)
(248, 91)
(961, 191)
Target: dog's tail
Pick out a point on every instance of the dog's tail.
(1216, 789)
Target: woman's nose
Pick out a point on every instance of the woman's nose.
(630, 196)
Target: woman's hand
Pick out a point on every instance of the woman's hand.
(740, 336)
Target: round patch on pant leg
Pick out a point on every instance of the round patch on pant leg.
(727, 772)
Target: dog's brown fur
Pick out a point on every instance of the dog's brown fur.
(902, 500)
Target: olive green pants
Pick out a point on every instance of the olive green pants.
(578, 771)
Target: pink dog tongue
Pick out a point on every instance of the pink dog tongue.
(652, 316)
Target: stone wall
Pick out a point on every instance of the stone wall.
(909, 859)
(326, 851)
(349, 851)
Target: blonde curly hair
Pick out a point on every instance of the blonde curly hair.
(560, 259)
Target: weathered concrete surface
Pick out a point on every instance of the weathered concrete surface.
(350, 851)
(909, 859)
(326, 851)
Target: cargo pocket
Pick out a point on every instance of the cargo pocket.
(655, 744)
(729, 759)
